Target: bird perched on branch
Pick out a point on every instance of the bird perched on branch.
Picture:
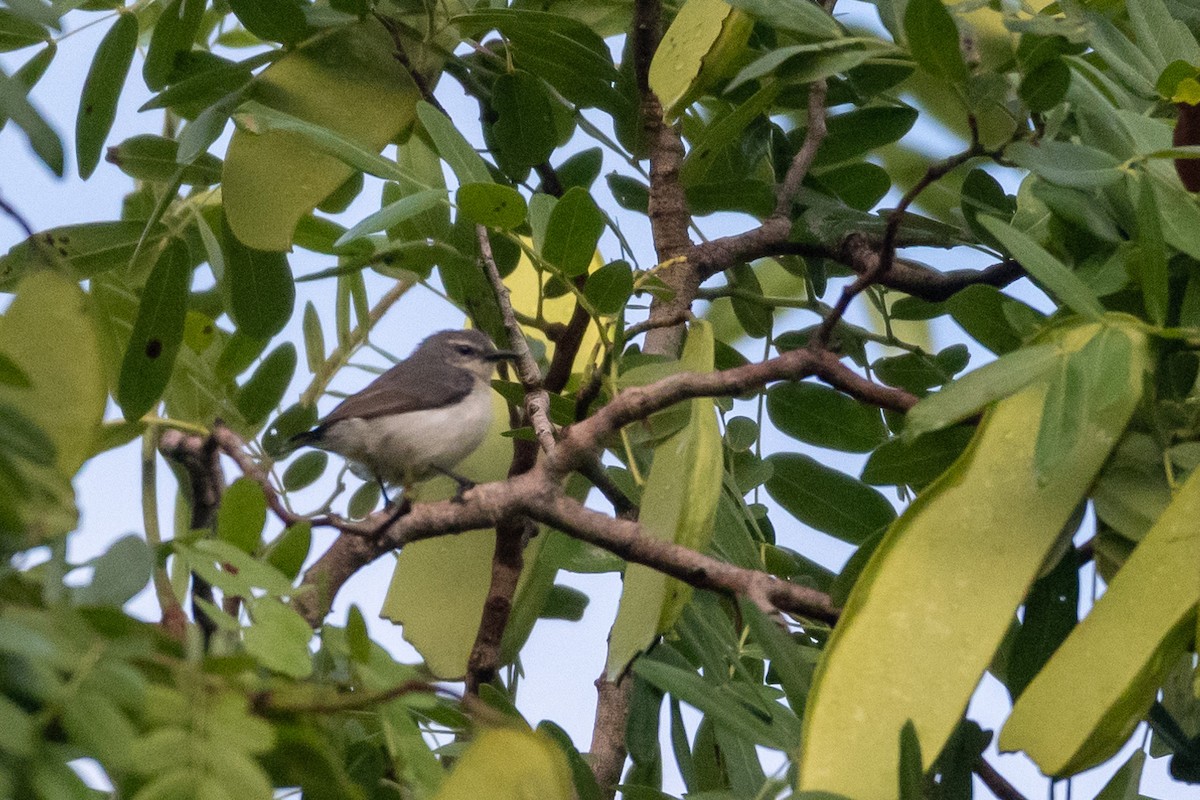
(421, 417)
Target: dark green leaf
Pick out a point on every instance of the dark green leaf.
(314, 339)
(797, 16)
(1051, 611)
(102, 90)
(857, 132)
(740, 433)
(581, 169)
(933, 40)
(983, 194)
(981, 311)
(305, 470)
(918, 372)
(523, 133)
(756, 318)
(154, 158)
(912, 776)
(364, 500)
(11, 373)
(261, 292)
(859, 185)
(564, 602)
(1046, 85)
(174, 33)
(825, 417)
(296, 419)
(572, 232)
(917, 462)
(630, 193)
(828, 500)
(157, 333)
(608, 288)
(242, 515)
(204, 89)
(273, 20)
(21, 437)
(452, 147)
(491, 204)
(265, 388)
(18, 31)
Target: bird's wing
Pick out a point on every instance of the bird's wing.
(403, 388)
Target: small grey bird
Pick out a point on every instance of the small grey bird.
(422, 416)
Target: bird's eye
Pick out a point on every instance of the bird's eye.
(465, 349)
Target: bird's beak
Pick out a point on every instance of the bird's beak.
(501, 355)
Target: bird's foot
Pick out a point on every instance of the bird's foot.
(464, 486)
(396, 512)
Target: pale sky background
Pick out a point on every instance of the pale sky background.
(561, 659)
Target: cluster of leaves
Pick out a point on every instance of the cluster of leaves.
(1093, 405)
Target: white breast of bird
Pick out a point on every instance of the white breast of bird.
(404, 449)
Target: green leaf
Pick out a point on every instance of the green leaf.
(261, 292)
(265, 388)
(1046, 85)
(86, 250)
(792, 664)
(563, 51)
(102, 90)
(21, 437)
(572, 232)
(915, 462)
(828, 500)
(119, 574)
(1151, 261)
(856, 133)
(1090, 379)
(825, 417)
(1126, 781)
(278, 638)
(305, 470)
(395, 213)
(777, 727)
(273, 20)
(154, 158)
(1047, 269)
(523, 133)
(289, 552)
(15, 106)
(697, 48)
(983, 312)
(608, 289)
(983, 194)
(242, 515)
(346, 96)
(797, 16)
(174, 33)
(933, 40)
(679, 501)
(452, 147)
(491, 204)
(157, 333)
(969, 394)
(1067, 163)
(31, 72)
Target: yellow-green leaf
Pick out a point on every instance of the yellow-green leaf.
(703, 42)
(347, 81)
(48, 334)
(679, 501)
(1099, 685)
(509, 764)
(938, 595)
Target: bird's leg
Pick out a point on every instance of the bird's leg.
(464, 484)
(387, 501)
(398, 511)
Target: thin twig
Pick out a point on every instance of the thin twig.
(814, 137)
(16, 217)
(995, 781)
